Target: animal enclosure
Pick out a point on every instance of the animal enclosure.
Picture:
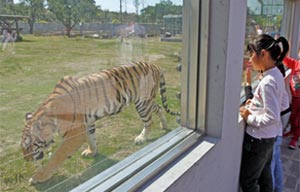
(29, 74)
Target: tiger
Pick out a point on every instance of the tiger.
(75, 104)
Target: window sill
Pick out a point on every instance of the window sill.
(138, 169)
(184, 164)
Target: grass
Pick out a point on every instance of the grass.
(29, 71)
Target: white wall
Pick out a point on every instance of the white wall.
(218, 170)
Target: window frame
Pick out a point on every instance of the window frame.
(135, 171)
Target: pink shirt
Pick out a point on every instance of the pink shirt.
(294, 65)
(269, 99)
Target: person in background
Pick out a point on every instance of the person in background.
(259, 31)
(7, 38)
(262, 114)
(294, 65)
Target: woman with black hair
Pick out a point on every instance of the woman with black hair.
(262, 114)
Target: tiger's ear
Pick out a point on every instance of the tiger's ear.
(28, 116)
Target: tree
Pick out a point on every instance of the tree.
(136, 4)
(6, 7)
(148, 14)
(72, 12)
(156, 13)
(32, 8)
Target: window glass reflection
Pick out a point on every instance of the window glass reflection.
(78, 40)
(263, 16)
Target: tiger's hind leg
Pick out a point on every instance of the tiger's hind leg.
(91, 139)
(160, 113)
(144, 109)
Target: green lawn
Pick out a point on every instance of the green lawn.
(30, 69)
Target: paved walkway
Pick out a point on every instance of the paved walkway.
(291, 166)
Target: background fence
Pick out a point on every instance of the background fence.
(91, 28)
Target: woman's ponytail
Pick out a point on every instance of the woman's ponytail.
(284, 48)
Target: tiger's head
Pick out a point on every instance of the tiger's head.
(36, 137)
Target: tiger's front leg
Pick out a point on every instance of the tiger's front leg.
(71, 143)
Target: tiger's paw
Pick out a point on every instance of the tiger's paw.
(39, 178)
(88, 153)
(31, 181)
(139, 140)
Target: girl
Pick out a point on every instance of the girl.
(262, 114)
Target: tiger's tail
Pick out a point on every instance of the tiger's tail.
(162, 87)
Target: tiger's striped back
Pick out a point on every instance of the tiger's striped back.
(107, 92)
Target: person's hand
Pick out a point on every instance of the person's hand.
(248, 76)
(244, 112)
(248, 102)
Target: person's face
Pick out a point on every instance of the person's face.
(254, 60)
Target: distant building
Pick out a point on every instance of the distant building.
(266, 7)
(172, 24)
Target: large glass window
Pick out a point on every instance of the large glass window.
(79, 39)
